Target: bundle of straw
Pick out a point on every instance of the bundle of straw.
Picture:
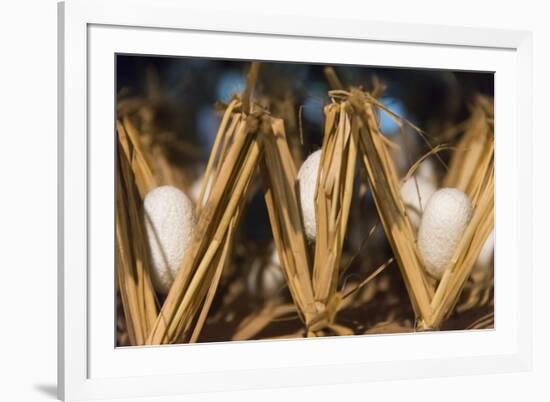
(251, 142)
(133, 180)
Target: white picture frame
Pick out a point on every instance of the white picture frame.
(92, 32)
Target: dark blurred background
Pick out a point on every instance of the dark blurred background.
(189, 89)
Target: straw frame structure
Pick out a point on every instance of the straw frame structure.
(75, 379)
(250, 141)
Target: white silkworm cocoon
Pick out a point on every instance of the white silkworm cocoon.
(417, 190)
(266, 281)
(307, 179)
(416, 194)
(445, 218)
(170, 222)
(486, 255)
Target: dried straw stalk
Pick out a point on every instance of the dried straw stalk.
(333, 200)
(129, 142)
(134, 179)
(257, 321)
(281, 197)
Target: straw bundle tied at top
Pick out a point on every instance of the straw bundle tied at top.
(334, 193)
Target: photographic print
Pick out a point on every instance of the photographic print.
(263, 200)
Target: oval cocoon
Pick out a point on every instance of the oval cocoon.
(486, 255)
(266, 281)
(170, 222)
(416, 198)
(442, 225)
(307, 179)
(426, 171)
